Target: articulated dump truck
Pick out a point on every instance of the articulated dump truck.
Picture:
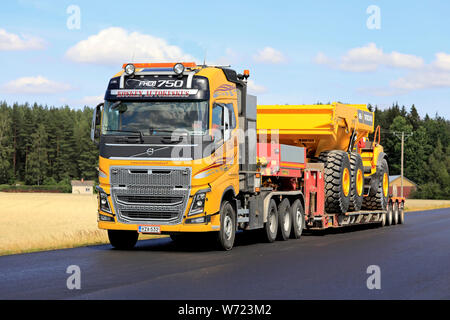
(184, 150)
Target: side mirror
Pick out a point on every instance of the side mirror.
(95, 132)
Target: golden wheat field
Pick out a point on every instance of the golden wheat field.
(417, 205)
(43, 221)
(40, 221)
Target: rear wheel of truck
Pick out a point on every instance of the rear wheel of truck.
(389, 217)
(401, 213)
(378, 197)
(123, 239)
(271, 226)
(298, 219)
(395, 213)
(337, 181)
(357, 182)
(284, 220)
(227, 232)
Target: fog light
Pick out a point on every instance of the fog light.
(105, 218)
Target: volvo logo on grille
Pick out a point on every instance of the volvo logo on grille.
(150, 151)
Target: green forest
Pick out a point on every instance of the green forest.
(48, 146)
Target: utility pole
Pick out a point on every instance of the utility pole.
(401, 163)
(402, 157)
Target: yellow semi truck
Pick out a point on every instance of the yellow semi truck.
(185, 150)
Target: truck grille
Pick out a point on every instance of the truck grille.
(150, 194)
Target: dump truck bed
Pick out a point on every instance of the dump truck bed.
(316, 127)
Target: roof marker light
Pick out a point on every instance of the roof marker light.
(178, 68)
(130, 69)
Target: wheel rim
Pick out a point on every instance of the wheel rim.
(228, 227)
(385, 184)
(346, 182)
(287, 221)
(299, 218)
(359, 182)
(272, 222)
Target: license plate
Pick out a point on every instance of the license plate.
(149, 229)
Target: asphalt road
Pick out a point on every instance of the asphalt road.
(413, 259)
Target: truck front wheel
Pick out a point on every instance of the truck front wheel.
(123, 239)
(227, 230)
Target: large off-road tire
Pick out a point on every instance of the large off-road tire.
(271, 226)
(378, 197)
(284, 220)
(337, 181)
(123, 239)
(357, 182)
(297, 218)
(227, 232)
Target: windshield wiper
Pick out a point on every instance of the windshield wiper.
(141, 136)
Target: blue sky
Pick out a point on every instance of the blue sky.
(298, 52)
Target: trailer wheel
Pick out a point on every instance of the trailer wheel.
(383, 219)
(401, 213)
(227, 232)
(389, 217)
(357, 182)
(337, 181)
(284, 220)
(123, 239)
(271, 226)
(395, 213)
(378, 198)
(298, 219)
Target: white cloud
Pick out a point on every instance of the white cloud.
(91, 100)
(116, 45)
(442, 61)
(269, 55)
(13, 42)
(254, 88)
(34, 85)
(370, 58)
(423, 80)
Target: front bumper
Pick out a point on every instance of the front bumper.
(212, 225)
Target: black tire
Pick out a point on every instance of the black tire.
(123, 239)
(298, 219)
(284, 220)
(271, 226)
(356, 169)
(401, 213)
(336, 163)
(377, 198)
(227, 232)
(389, 217)
(395, 213)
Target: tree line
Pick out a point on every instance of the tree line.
(426, 149)
(42, 145)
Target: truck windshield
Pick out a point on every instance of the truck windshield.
(154, 118)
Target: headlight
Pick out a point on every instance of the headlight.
(130, 69)
(178, 68)
(198, 204)
(104, 204)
